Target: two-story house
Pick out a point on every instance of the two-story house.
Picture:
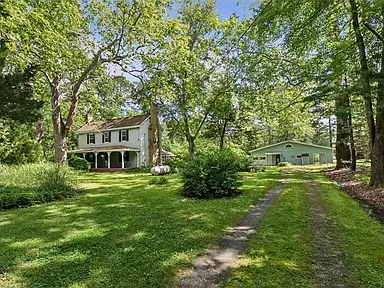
(114, 144)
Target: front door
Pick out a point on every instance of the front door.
(277, 159)
(305, 160)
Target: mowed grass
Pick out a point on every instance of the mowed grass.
(360, 237)
(119, 232)
(282, 252)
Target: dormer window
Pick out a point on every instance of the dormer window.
(123, 135)
(288, 146)
(90, 138)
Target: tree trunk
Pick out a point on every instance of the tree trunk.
(191, 146)
(59, 135)
(223, 134)
(377, 155)
(330, 130)
(343, 152)
(365, 78)
(153, 137)
(352, 138)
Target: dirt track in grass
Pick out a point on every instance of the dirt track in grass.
(328, 263)
(211, 269)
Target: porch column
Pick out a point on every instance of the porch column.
(109, 160)
(84, 155)
(122, 159)
(137, 159)
(95, 153)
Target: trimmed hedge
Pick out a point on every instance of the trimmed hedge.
(214, 175)
(29, 184)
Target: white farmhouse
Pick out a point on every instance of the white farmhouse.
(114, 144)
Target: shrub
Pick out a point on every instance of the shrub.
(78, 163)
(174, 164)
(214, 175)
(158, 180)
(257, 169)
(137, 170)
(281, 164)
(29, 184)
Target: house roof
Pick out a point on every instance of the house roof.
(113, 123)
(289, 141)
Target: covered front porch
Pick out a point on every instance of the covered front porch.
(113, 158)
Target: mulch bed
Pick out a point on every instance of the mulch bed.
(371, 198)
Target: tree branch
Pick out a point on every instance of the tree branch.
(370, 28)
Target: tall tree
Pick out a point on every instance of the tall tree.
(61, 37)
(376, 130)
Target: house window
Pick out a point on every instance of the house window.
(106, 137)
(304, 154)
(90, 138)
(124, 135)
(259, 158)
(298, 156)
(288, 146)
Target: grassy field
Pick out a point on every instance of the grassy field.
(119, 232)
(281, 255)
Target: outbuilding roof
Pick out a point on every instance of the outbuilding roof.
(289, 141)
(113, 123)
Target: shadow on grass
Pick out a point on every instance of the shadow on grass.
(120, 232)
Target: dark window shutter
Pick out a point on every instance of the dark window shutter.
(119, 135)
(102, 138)
(109, 136)
(127, 131)
(87, 138)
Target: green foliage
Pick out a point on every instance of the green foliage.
(78, 163)
(283, 164)
(214, 175)
(158, 180)
(29, 184)
(137, 170)
(18, 143)
(174, 164)
(16, 97)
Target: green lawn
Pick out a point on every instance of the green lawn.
(360, 237)
(281, 253)
(119, 232)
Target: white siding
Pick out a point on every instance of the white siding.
(134, 139)
(138, 138)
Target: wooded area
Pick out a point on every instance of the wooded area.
(310, 71)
